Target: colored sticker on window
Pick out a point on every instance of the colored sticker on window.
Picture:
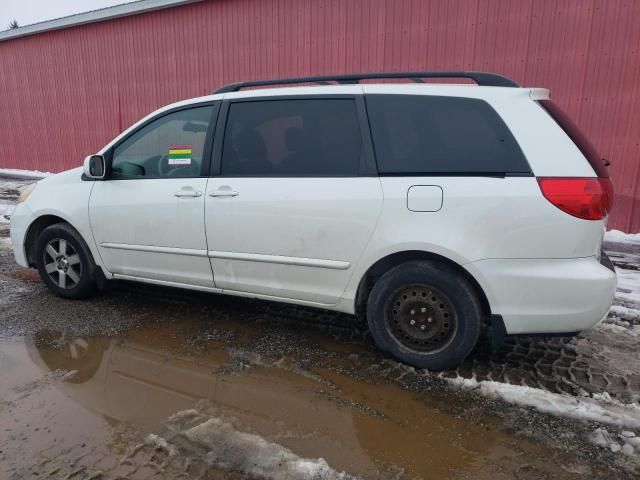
(180, 155)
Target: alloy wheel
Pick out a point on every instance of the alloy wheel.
(62, 263)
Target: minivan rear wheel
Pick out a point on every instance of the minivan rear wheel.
(425, 314)
(64, 262)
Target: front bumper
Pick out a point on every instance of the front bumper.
(20, 221)
(546, 295)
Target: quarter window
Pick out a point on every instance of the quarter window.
(307, 137)
(171, 146)
(420, 134)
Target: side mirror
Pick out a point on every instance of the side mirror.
(94, 167)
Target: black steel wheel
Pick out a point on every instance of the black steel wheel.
(425, 314)
(421, 317)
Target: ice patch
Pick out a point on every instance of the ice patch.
(601, 408)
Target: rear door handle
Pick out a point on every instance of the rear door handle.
(187, 192)
(224, 192)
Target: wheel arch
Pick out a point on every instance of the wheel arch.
(384, 264)
(37, 226)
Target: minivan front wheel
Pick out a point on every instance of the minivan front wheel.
(424, 314)
(64, 262)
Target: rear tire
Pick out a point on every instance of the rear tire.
(425, 314)
(64, 262)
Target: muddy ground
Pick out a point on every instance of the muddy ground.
(144, 382)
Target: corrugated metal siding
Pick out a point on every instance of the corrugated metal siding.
(66, 93)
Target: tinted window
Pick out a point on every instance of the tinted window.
(417, 134)
(171, 146)
(313, 137)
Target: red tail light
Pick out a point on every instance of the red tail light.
(586, 198)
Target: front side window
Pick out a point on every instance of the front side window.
(171, 146)
(421, 134)
(306, 137)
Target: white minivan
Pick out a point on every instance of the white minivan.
(434, 210)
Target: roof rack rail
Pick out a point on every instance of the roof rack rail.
(481, 78)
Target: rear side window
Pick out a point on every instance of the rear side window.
(418, 134)
(575, 134)
(307, 137)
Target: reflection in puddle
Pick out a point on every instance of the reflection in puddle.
(371, 430)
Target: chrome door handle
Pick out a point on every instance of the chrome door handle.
(224, 193)
(187, 193)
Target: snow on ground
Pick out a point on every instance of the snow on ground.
(626, 313)
(231, 450)
(620, 237)
(625, 442)
(9, 192)
(17, 173)
(253, 455)
(5, 212)
(628, 287)
(597, 408)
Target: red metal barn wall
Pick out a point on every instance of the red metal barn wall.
(65, 93)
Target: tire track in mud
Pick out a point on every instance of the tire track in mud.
(554, 365)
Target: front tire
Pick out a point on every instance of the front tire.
(425, 314)
(64, 262)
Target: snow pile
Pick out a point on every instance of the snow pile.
(599, 408)
(217, 442)
(17, 173)
(616, 236)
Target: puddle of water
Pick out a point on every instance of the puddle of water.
(37, 419)
(411, 433)
(140, 380)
